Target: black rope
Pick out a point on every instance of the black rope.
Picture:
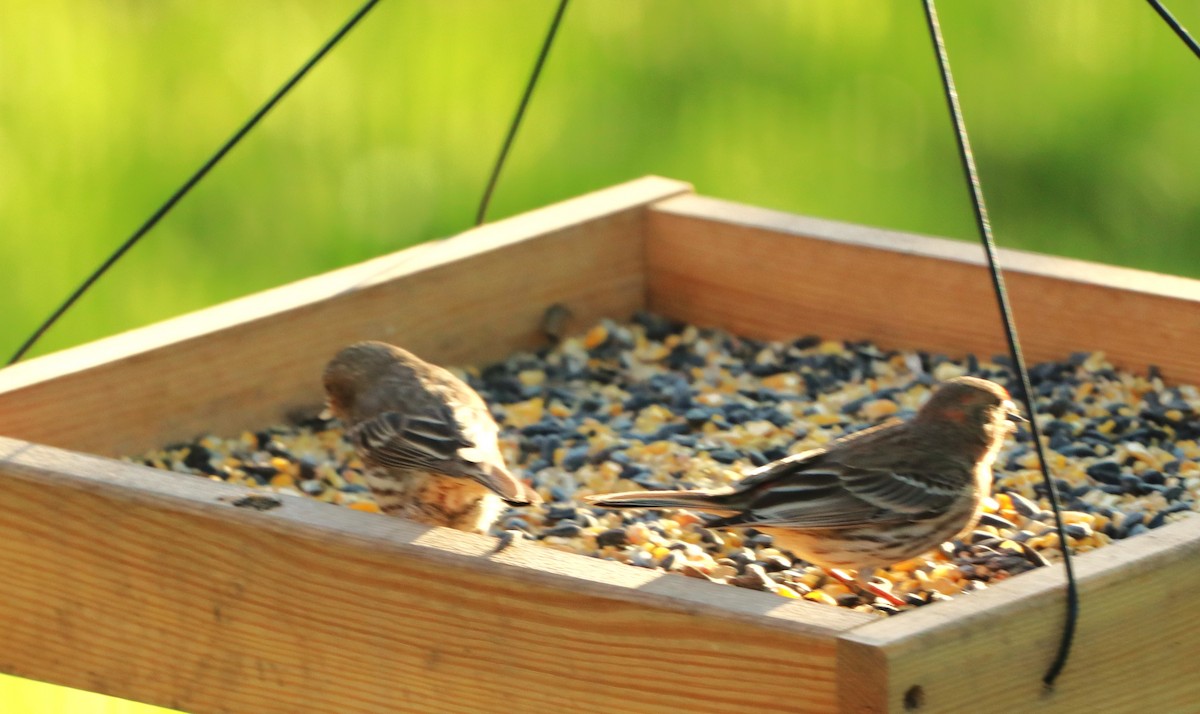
(1010, 331)
(195, 179)
(481, 215)
(1179, 29)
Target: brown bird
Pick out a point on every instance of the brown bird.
(428, 441)
(876, 497)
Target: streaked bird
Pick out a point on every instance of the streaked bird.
(428, 442)
(876, 497)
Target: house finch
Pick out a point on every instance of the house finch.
(876, 497)
(427, 440)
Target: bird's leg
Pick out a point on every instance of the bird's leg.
(861, 581)
(505, 539)
(855, 580)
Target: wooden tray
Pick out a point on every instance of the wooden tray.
(128, 581)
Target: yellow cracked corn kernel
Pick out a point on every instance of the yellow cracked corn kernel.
(522, 414)
(1079, 517)
(879, 408)
(821, 597)
(782, 382)
(595, 337)
(531, 377)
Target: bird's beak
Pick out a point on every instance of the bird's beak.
(326, 414)
(1010, 409)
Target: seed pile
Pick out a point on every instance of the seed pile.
(656, 404)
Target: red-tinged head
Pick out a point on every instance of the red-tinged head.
(970, 406)
(354, 370)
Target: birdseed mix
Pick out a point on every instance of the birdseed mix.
(655, 404)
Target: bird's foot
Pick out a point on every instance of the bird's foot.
(861, 582)
(506, 539)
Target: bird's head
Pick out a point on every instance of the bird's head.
(351, 370)
(971, 405)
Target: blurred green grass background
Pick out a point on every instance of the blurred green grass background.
(1082, 113)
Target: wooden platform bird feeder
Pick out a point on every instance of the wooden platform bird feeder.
(121, 579)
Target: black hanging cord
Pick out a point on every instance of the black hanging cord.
(1179, 29)
(481, 215)
(1010, 331)
(195, 179)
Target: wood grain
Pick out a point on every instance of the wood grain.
(772, 275)
(244, 364)
(128, 581)
(132, 582)
(1135, 651)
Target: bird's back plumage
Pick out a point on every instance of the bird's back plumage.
(407, 417)
(880, 495)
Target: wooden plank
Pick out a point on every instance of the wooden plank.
(773, 275)
(246, 363)
(1135, 650)
(128, 581)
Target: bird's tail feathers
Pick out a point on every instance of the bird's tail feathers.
(696, 500)
(512, 489)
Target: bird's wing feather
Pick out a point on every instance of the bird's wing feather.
(819, 489)
(442, 426)
(409, 441)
